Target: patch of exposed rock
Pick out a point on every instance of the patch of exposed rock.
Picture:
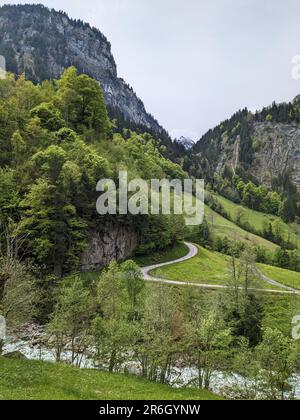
(43, 42)
(115, 242)
(277, 151)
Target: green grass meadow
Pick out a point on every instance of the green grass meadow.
(34, 380)
(258, 220)
(208, 267)
(286, 277)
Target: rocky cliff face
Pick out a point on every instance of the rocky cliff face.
(42, 43)
(277, 151)
(276, 148)
(265, 145)
(113, 243)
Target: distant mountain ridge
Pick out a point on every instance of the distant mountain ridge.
(43, 42)
(262, 146)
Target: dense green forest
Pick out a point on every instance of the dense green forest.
(46, 37)
(56, 143)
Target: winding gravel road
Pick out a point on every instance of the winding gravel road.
(193, 251)
(275, 283)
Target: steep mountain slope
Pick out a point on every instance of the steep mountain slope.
(265, 145)
(277, 150)
(44, 42)
(257, 221)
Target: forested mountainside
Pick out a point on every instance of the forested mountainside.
(43, 42)
(53, 151)
(252, 159)
(251, 156)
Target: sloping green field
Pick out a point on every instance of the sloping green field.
(31, 380)
(207, 267)
(286, 277)
(220, 226)
(259, 220)
(223, 227)
(169, 254)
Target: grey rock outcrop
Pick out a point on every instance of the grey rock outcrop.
(115, 242)
(278, 151)
(43, 42)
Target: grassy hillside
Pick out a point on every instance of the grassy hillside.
(286, 277)
(169, 254)
(223, 227)
(258, 220)
(219, 226)
(31, 380)
(207, 267)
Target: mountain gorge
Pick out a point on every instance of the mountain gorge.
(42, 43)
(106, 263)
(244, 153)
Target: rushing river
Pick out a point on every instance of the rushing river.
(179, 378)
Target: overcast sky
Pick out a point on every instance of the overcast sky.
(196, 62)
